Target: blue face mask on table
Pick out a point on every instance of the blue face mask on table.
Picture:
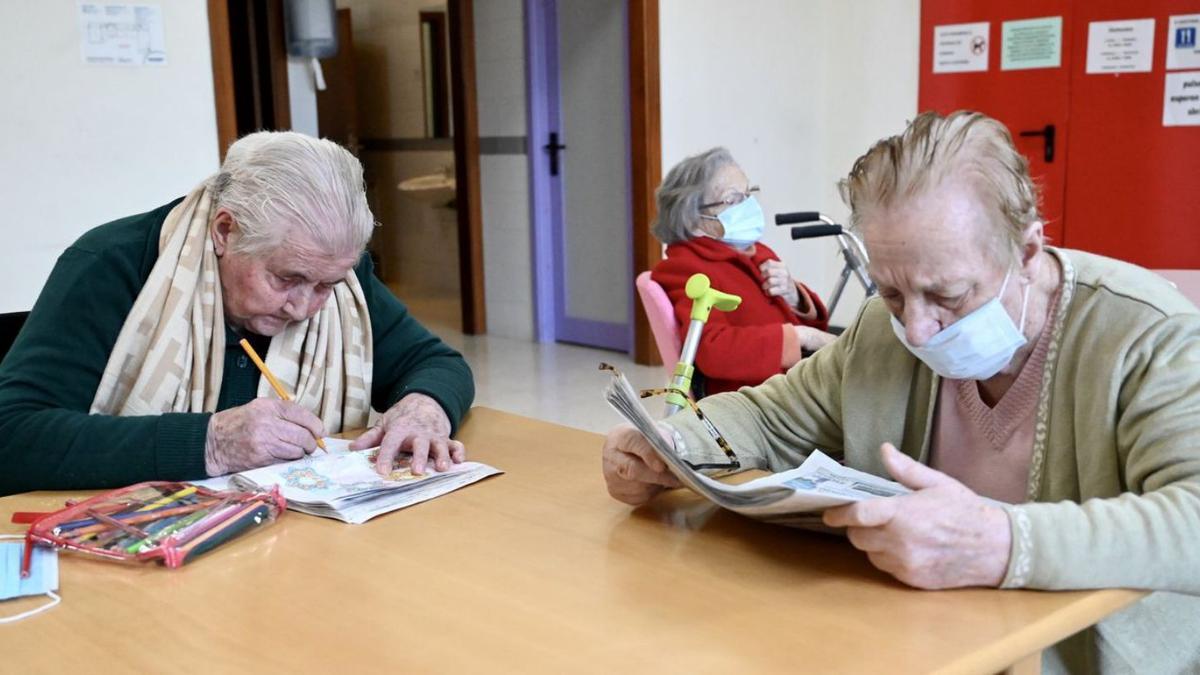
(744, 223)
(975, 347)
(42, 579)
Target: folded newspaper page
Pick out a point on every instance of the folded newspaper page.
(796, 497)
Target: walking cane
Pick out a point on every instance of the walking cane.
(705, 298)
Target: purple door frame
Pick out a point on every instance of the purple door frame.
(546, 194)
(544, 200)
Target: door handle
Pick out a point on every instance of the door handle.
(1047, 133)
(553, 147)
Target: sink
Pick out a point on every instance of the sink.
(436, 189)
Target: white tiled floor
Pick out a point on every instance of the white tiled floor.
(554, 382)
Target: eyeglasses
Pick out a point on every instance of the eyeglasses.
(732, 199)
(733, 464)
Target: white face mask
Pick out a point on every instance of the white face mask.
(42, 579)
(975, 347)
(743, 223)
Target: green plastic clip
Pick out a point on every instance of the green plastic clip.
(705, 298)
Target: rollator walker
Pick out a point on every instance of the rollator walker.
(854, 254)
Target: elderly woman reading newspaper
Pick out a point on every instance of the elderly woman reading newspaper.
(1064, 384)
(129, 367)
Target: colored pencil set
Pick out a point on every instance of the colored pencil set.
(166, 521)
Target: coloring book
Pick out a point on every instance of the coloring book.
(343, 484)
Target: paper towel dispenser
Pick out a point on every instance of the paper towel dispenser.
(311, 28)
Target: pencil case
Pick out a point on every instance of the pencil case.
(166, 521)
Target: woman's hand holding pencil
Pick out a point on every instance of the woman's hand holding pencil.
(279, 390)
(264, 431)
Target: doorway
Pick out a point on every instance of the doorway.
(580, 182)
(640, 116)
(412, 66)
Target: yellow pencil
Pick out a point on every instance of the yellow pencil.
(169, 498)
(274, 382)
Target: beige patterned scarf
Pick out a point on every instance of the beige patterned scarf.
(170, 354)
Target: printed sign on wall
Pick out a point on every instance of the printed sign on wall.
(121, 34)
(1181, 103)
(1182, 49)
(1120, 46)
(1031, 43)
(961, 47)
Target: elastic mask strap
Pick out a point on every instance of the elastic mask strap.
(54, 600)
(1024, 299)
(1004, 284)
(1024, 306)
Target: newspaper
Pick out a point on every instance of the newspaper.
(795, 498)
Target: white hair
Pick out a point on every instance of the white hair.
(682, 192)
(964, 144)
(281, 185)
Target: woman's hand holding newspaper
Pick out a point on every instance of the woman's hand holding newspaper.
(941, 535)
(633, 471)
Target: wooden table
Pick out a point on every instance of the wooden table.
(537, 570)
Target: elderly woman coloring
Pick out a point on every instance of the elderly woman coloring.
(129, 367)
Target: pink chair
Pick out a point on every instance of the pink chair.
(1187, 281)
(661, 314)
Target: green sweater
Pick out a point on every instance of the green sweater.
(49, 377)
(1114, 485)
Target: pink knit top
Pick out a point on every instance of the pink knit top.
(989, 448)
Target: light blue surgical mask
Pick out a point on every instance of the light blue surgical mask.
(743, 222)
(975, 347)
(42, 579)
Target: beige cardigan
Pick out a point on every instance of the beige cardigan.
(1114, 485)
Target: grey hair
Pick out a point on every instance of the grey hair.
(280, 184)
(681, 193)
(933, 147)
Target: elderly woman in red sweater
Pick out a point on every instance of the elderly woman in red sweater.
(711, 222)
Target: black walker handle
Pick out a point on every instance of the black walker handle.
(812, 231)
(797, 217)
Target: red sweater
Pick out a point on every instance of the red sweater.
(745, 346)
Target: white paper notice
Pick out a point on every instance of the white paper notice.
(121, 34)
(1182, 51)
(1181, 104)
(1120, 46)
(961, 48)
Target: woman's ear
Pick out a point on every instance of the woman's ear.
(1033, 242)
(222, 229)
(710, 227)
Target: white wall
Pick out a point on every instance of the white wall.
(796, 91)
(504, 179)
(85, 144)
